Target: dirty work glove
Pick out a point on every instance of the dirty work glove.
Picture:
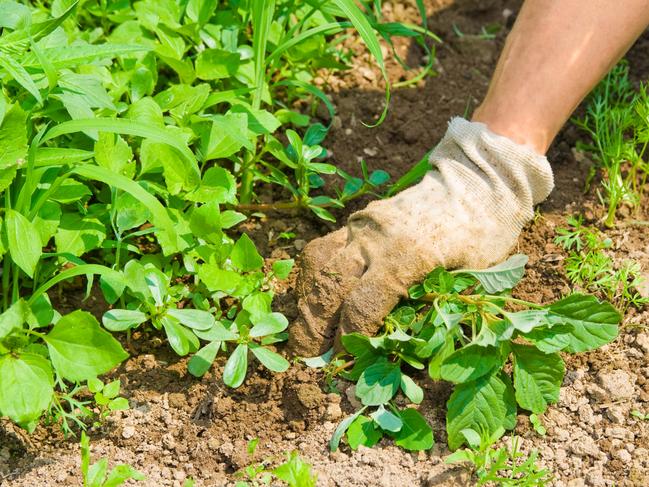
(468, 212)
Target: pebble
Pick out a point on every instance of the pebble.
(128, 432)
(585, 446)
(643, 342)
(623, 455)
(619, 433)
(618, 384)
(616, 414)
(299, 244)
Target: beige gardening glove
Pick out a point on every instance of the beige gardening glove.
(467, 213)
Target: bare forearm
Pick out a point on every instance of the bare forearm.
(555, 54)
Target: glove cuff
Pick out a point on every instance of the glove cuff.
(509, 178)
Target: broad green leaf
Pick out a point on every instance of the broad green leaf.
(13, 318)
(525, 321)
(70, 191)
(182, 340)
(113, 153)
(411, 389)
(178, 174)
(80, 349)
(444, 351)
(13, 138)
(470, 362)
(226, 136)
(270, 359)
(551, 339)
(378, 383)
(244, 255)
(486, 405)
(120, 474)
(379, 177)
(26, 387)
(282, 268)
(47, 221)
(268, 324)
(236, 367)
(130, 212)
(415, 434)
(201, 362)
(123, 319)
(363, 431)
(501, 276)
(214, 64)
(193, 318)
(258, 304)
(23, 240)
(77, 234)
(386, 420)
(230, 218)
(17, 71)
(218, 185)
(216, 279)
(594, 323)
(205, 223)
(342, 427)
(537, 377)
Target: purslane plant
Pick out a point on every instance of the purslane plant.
(501, 353)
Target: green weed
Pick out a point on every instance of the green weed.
(98, 475)
(293, 471)
(501, 353)
(505, 467)
(591, 268)
(132, 137)
(617, 122)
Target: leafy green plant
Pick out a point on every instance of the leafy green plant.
(500, 352)
(293, 471)
(130, 134)
(506, 467)
(97, 474)
(589, 266)
(616, 121)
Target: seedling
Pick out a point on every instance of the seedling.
(500, 352)
(294, 471)
(589, 266)
(97, 474)
(616, 122)
(505, 467)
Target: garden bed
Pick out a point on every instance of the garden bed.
(179, 426)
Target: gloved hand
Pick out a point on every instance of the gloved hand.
(468, 212)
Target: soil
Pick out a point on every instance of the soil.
(179, 426)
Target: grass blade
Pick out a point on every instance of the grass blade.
(365, 30)
(18, 73)
(262, 17)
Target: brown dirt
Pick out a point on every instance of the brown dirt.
(179, 426)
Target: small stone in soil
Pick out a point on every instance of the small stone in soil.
(128, 432)
(618, 384)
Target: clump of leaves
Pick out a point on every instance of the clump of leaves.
(294, 471)
(98, 475)
(463, 326)
(591, 268)
(33, 359)
(505, 467)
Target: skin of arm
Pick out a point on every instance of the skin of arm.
(555, 54)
